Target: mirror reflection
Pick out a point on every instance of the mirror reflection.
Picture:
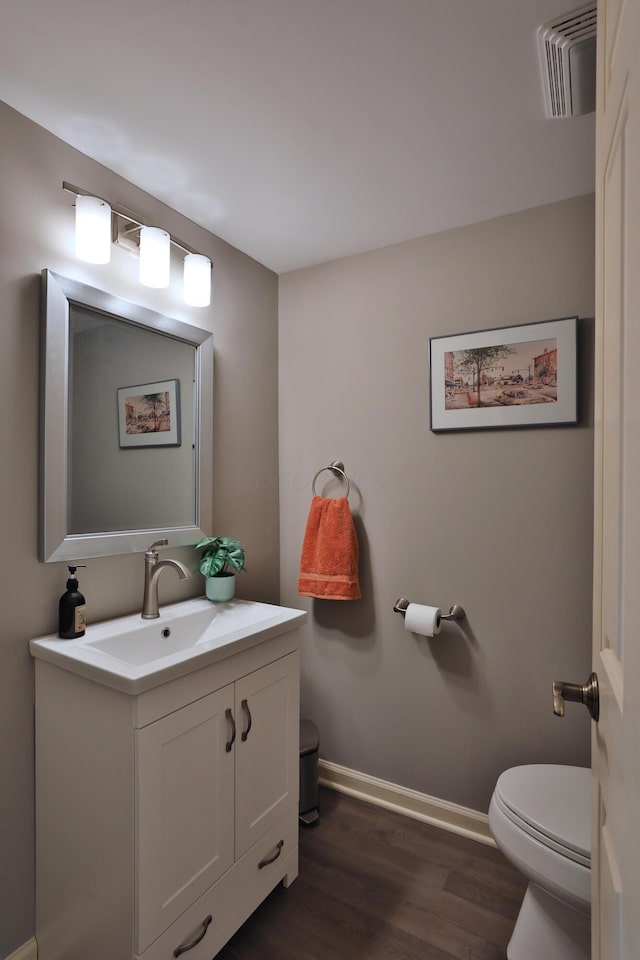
(131, 450)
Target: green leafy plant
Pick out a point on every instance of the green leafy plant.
(218, 554)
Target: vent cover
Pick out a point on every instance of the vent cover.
(568, 60)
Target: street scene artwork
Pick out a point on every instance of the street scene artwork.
(518, 376)
(501, 375)
(148, 414)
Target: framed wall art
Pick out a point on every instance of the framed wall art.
(149, 414)
(521, 376)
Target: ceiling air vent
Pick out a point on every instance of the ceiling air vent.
(568, 60)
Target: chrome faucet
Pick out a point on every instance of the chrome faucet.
(153, 567)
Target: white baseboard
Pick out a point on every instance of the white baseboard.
(411, 803)
(28, 951)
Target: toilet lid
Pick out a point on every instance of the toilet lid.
(554, 802)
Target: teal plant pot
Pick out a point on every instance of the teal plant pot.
(220, 588)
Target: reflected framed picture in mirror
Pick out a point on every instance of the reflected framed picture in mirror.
(149, 414)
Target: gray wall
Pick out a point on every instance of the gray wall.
(497, 521)
(36, 231)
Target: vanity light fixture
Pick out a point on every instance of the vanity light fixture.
(93, 230)
(197, 280)
(99, 224)
(155, 257)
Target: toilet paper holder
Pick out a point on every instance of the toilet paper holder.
(455, 613)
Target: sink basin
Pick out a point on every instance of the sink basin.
(134, 655)
(148, 641)
(147, 645)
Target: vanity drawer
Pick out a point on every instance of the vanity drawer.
(234, 897)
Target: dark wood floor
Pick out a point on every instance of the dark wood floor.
(375, 885)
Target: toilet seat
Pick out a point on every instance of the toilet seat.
(540, 818)
(552, 803)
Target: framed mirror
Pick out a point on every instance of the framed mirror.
(126, 421)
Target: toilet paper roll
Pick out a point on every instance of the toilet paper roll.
(422, 619)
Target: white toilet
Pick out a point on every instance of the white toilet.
(540, 817)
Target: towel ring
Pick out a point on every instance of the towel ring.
(337, 468)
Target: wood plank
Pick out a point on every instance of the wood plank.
(376, 884)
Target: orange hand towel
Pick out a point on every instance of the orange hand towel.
(329, 561)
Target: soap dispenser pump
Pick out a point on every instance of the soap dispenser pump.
(71, 617)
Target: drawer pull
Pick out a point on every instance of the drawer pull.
(268, 860)
(229, 715)
(245, 733)
(194, 943)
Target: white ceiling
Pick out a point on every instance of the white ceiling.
(304, 130)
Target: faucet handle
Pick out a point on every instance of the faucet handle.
(157, 543)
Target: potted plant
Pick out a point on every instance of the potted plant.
(218, 555)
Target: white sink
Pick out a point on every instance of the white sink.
(148, 644)
(146, 641)
(133, 655)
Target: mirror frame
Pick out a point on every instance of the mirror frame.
(56, 543)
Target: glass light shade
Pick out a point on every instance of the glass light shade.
(155, 257)
(197, 280)
(93, 230)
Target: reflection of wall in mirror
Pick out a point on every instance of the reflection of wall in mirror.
(125, 489)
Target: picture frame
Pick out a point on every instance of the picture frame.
(149, 414)
(519, 376)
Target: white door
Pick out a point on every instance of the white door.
(267, 749)
(616, 646)
(184, 810)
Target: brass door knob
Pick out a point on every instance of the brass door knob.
(586, 693)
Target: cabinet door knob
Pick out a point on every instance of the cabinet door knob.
(245, 732)
(229, 715)
(194, 943)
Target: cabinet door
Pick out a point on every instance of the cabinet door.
(184, 810)
(267, 749)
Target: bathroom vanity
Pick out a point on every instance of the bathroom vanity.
(166, 780)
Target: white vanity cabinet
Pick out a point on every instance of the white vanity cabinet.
(164, 818)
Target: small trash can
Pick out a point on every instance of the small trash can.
(308, 807)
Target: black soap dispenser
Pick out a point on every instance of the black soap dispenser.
(71, 617)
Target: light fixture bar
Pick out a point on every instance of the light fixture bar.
(125, 214)
(152, 245)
